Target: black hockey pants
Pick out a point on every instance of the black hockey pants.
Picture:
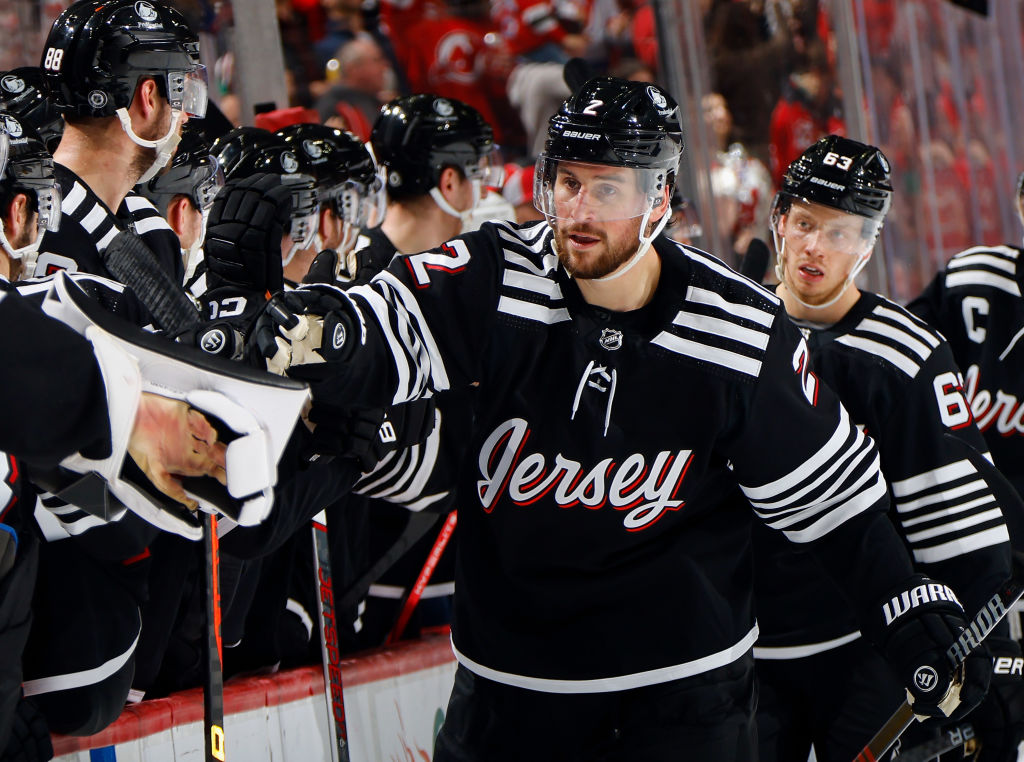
(706, 718)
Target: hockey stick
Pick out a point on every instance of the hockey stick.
(213, 686)
(983, 623)
(333, 689)
(416, 591)
(949, 740)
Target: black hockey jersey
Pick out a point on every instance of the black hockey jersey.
(897, 378)
(977, 304)
(87, 226)
(604, 538)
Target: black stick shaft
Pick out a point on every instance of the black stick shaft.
(213, 687)
(333, 688)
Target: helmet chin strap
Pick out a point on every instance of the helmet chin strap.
(780, 273)
(643, 247)
(28, 254)
(442, 202)
(164, 146)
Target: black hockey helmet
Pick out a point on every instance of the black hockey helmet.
(22, 93)
(98, 50)
(613, 122)
(27, 168)
(246, 151)
(416, 137)
(618, 122)
(194, 172)
(840, 173)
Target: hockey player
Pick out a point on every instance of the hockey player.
(437, 156)
(126, 77)
(976, 304)
(184, 193)
(898, 379)
(635, 400)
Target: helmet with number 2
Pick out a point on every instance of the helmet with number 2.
(611, 122)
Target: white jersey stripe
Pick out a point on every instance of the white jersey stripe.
(830, 520)
(893, 356)
(978, 278)
(908, 322)
(618, 682)
(950, 510)
(972, 260)
(887, 331)
(933, 478)
(406, 373)
(74, 199)
(96, 215)
(942, 496)
(732, 275)
(104, 242)
(546, 266)
(531, 311)
(962, 545)
(723, 357)
(79, 679)
(719, 327)
(438, 372)
(955, 526)
(795, 514)
(529, 282)
(150, 224)
(712, 299)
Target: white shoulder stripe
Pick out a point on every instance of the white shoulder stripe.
(135, 202)
(909, 323)
(887, 331)
(73, 199)
(721, 269)
(720, 327)
(893, 356)
(790, 513)
(723, 357)
(548, 262)
(529, 282)
(150, 224)
(841, 514)
(971, 260)
(96, 215)
(531, 311)
(104, 242)
(516, 238)
(981, 278)
(964, 523)
(713, 299)
(935, 477)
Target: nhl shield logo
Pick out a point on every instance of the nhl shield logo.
(146, 11)
(610, 339)
(656, 98)
(12, 126)
(289, 163)
(12, 84)
(97, 99)
(443, 107)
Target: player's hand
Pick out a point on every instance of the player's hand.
(243, 235)
(915, 626)
(303, 333)
(999, 721)
(170, 440)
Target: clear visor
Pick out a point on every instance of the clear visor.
(598, 192)
(809, 226)
(206, 190)
(489, 170)
(4, 145)
(187, 91)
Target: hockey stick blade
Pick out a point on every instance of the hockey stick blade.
(977, 630)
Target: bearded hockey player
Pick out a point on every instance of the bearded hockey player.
(629, 389)
(897, 378)
(976, 304)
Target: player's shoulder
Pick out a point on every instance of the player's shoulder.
(144, 215)
(721, 318)
(530, 289)
(888, 333)
(985, 268)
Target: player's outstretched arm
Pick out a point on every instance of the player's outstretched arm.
(169, 440)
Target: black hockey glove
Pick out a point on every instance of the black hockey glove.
(243, 235)
(999, 721)
(304, 333)
(324, 269)
(914, 626)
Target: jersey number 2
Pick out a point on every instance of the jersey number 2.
(452, 258)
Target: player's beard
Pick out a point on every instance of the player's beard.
(614, 252)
